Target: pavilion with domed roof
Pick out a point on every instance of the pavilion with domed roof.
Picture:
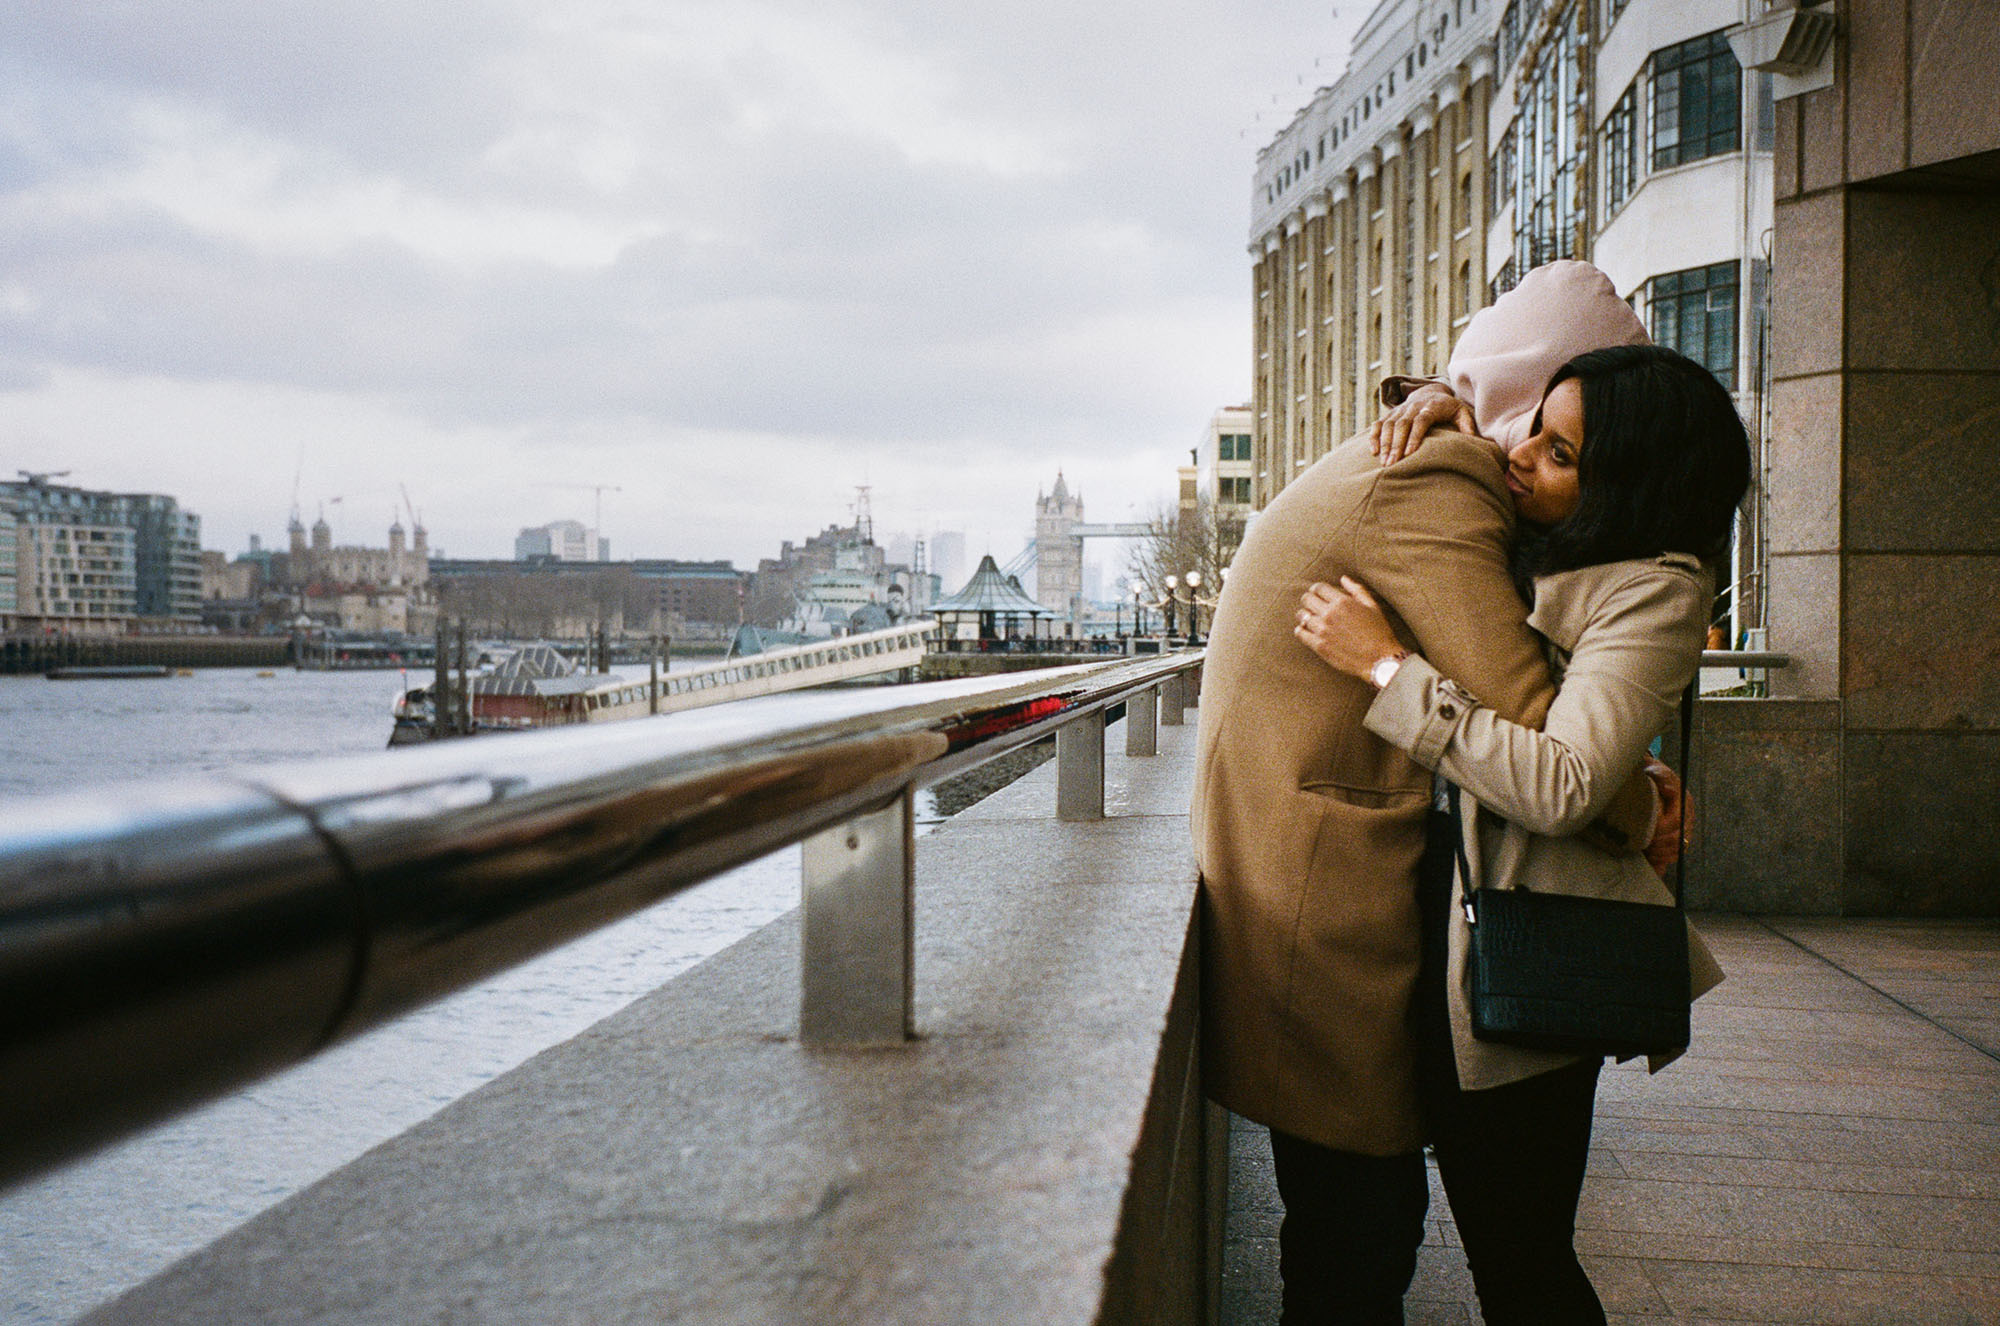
(992, 612)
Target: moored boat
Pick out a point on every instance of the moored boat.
(119, 673)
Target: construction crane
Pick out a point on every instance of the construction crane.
(37, 478)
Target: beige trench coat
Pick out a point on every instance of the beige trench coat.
(1307, 828)
(1626, 639)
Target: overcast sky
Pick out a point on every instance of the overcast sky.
(733, 257)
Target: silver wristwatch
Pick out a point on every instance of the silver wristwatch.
(1383, 670)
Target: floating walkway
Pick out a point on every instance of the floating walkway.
(846, 658)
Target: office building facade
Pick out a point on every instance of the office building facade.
(562, 541)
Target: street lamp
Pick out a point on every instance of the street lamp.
(1173, 587)
(1194, 609)
(1138, 608)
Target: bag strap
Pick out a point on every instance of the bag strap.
(1686, 771)
(1452, 794)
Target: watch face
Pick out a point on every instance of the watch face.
(1384, 671)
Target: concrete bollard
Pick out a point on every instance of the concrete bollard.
(1080, 768)
(1142, 718)
(856, 929)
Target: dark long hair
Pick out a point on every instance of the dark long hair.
(1664, 465)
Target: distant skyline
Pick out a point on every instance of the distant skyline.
(734, 257)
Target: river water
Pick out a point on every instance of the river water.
(77, 1237)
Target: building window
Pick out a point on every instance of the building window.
(1510, 37)
(1621, 150)
(1407, 279)
(1235, 491)
(1500, 172)
(1697, 101)
(1551, 151)
(1694, 312)
(1232, 446)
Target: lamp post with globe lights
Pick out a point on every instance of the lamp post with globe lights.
(1194, 609)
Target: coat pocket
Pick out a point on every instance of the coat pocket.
(1369, 798)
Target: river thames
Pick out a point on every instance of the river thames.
(77, 1237)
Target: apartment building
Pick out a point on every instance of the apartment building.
(89, 562)
(1367, 243)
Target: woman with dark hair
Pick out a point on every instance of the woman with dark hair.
(1626, 487)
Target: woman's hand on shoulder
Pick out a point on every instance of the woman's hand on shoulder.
(1402, 430)
(1345, 627)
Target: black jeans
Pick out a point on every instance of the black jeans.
(1348, 1244)
(1511, 1158)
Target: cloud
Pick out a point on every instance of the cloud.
(737, 251)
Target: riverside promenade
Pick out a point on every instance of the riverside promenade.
(1829, 1152)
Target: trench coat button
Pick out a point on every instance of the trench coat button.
(1447, 710)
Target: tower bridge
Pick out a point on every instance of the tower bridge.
(1057, 551)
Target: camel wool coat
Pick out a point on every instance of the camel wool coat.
(1307, 827)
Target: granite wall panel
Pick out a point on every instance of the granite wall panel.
(1803, 489)
(1923, 280)
(1922, 462)
(1766, 778)
(1823, 133)
(1922, 642)
(1804, 621)
(1785, 150)
(1922, 838)
(1954, 50)
(1808, 258)
(1878, 86)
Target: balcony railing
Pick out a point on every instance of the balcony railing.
(161, 943)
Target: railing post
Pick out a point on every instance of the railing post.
(1080, 768)
(1173, 699)
(856, 945)
(1142, 719)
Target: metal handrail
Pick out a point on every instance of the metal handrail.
(160, 943)
(1744, 658)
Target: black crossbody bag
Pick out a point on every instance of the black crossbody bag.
(1583, 975)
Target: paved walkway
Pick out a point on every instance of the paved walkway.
(1828, 1152)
